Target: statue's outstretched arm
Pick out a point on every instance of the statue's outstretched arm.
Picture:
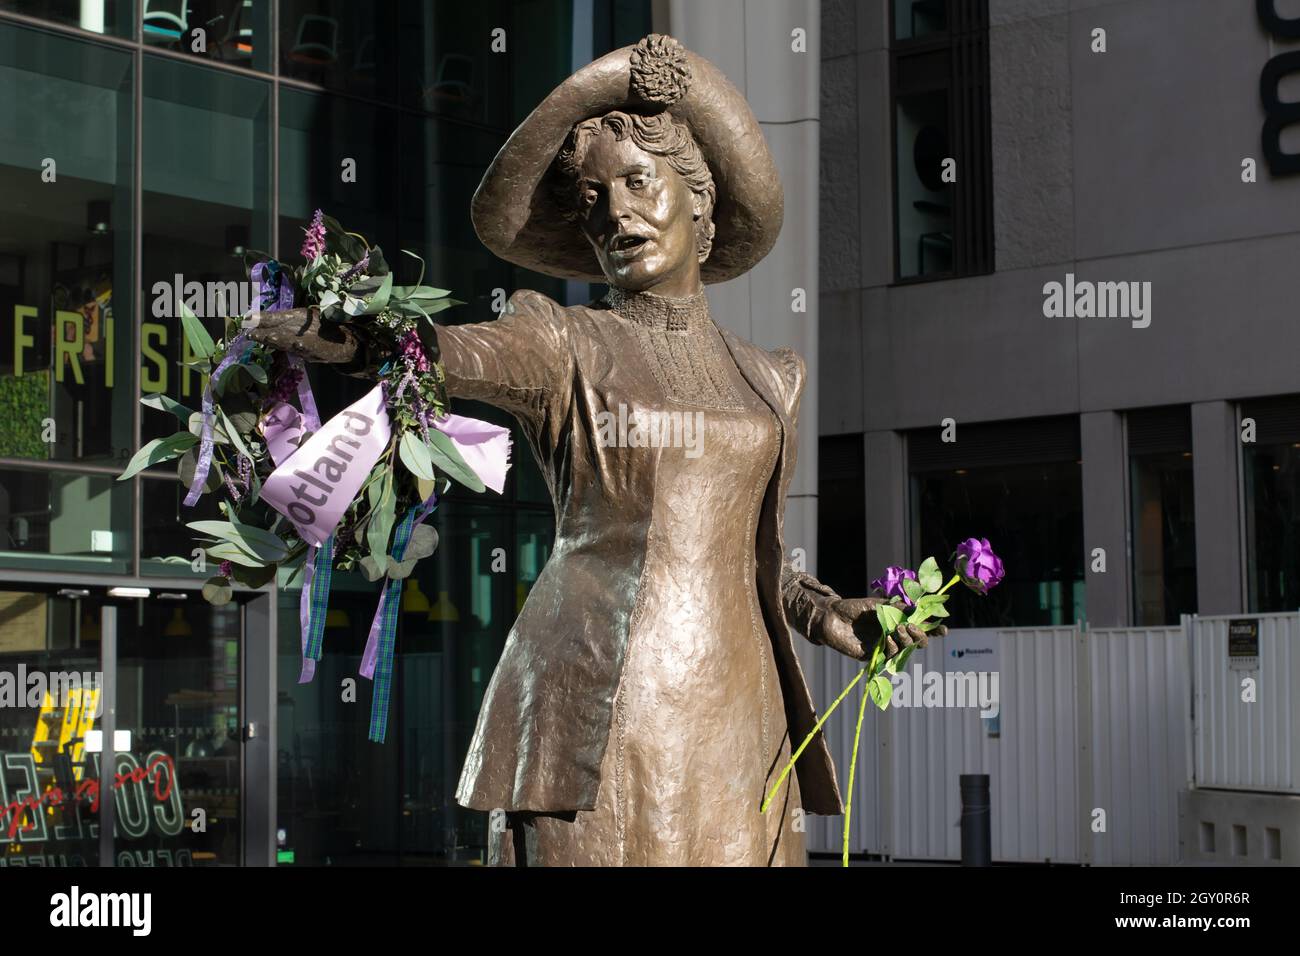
(521, 362)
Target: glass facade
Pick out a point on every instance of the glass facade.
(145, 146)
(1019, 485)
(1163, 519)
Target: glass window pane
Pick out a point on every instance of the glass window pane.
(1033, 517)
(1273, 525)
(342, 45)
(44, 758)
(1164, 538)
(206, 203)
(110, 17)
(65, 247)
(72, 522)
(167, 545)
(229, 31)
(925, 229)
(914, 19)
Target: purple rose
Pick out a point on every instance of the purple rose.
(890, 584)
(979, 567)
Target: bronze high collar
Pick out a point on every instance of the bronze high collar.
(660, 311)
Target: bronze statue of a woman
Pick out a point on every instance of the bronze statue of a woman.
(649, 692)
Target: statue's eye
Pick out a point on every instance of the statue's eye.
(636, 182)
(589, 197)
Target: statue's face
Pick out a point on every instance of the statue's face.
(639, 216)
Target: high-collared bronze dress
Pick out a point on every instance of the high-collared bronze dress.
(642, 706)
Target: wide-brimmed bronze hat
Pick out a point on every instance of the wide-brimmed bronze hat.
(515, 211)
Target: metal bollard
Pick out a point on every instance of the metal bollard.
(976, 821)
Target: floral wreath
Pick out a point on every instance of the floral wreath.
(297, 493)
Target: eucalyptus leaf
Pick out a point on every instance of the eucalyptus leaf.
(188, 465)
(233, 433)
(377, 302)
(200, 341)
(165, 403)
(254, 577)
(415, 456)
(380, 527)
(372, 570)
(229, 551)
(218, 433)
(397, 570)
(217, 591)
(158, 451)
(449, 461)
(424, 541)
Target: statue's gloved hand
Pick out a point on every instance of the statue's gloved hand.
(851, 627)
(303, 332)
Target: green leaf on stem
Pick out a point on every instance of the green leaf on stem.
(881, 690)
(929, 575)
(415, 456)
(200, 341)
(448, 460)
(157, 451)
(165, 403)
(912, 589)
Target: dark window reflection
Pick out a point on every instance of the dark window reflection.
(1164, 537)
(1033, 517)
(227, 31)
(1273, 525)
(65, 243)
(110, 17)
(206, 205)
(83, 520)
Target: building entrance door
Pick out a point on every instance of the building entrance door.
(124, 728)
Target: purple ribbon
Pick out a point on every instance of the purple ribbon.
(371, 655)
(234, 352)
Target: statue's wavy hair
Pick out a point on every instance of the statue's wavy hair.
(659, 134)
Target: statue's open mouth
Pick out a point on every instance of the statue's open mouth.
(627, 243)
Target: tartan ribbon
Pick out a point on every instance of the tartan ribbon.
(390, 603)
(314, 605)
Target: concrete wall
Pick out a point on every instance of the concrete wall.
(750, 41)
(1116, 166)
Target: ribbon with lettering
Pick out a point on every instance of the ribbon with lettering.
(315, 485)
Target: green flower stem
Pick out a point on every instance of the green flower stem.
(853, 768)
(807, 740)
(830, 710)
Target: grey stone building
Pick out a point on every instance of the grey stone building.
(1091, 143)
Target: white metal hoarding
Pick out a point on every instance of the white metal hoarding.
(1137, 757)
(1246, 714)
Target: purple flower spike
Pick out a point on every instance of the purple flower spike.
(979, 567)
(226, 569)
(313, 243)
(890, 584)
